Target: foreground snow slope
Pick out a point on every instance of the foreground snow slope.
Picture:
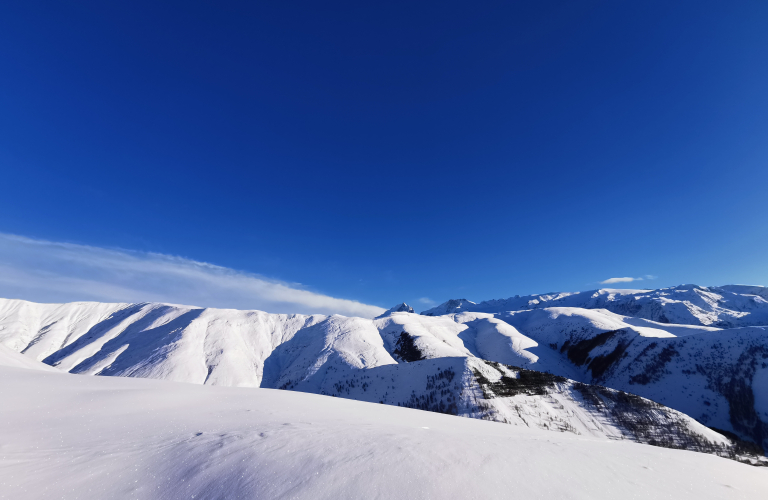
(69, 436)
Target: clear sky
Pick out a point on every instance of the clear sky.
(384, 151)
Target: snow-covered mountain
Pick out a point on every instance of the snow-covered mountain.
(461, 363)
(402, 307)
(724, 307)
(74, 437)
(719, 377)
(700, 350)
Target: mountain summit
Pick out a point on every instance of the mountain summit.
(401, 307)
(450, 307)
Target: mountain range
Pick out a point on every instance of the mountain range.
(682, 367)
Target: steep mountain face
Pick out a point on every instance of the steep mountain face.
(185, 344)
(716, 376)
(454, 306)
(402, 307)
(475, 388)
(724, 307)
(459, 363)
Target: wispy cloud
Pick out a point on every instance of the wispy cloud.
(426, 301)
(611, 281)
(46, 271)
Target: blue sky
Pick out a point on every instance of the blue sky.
(381, 152)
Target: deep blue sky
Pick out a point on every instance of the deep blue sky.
(391, 151)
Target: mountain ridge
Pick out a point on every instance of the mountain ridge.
(723, 306)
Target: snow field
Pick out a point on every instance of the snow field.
(69, 436)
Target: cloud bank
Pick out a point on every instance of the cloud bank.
(46, 271)
(611, 281)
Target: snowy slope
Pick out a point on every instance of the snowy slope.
(471, 387)
(373, 360)
(725, 307)
(14, 359)
(716, 376)
(40, 329)
(712, 375)
(186, 344)
(68, 437)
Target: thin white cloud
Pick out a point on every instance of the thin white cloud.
(611, 281)
(426, 301)
(46, 271)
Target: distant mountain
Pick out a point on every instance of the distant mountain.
(464, 362)
(403, 307)
(717, 376)
(724, 307)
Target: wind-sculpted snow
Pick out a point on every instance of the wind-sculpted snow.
(73, 437)
(717, 376)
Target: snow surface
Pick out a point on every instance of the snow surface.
(68, 436)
